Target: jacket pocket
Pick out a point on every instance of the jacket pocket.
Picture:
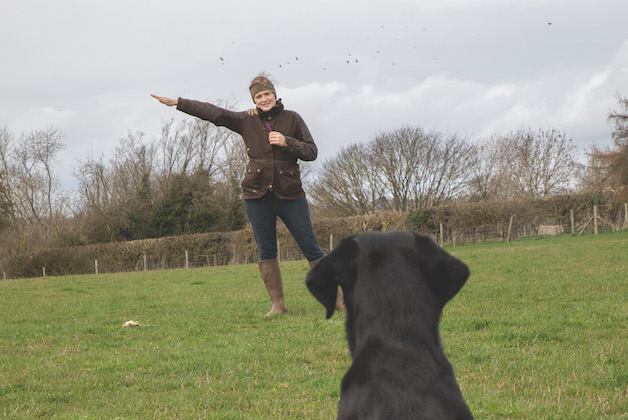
(253, 178)
(288, 180)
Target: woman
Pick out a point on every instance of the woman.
(275, 139)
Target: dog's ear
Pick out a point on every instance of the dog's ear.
(447, 273)
(336, 268)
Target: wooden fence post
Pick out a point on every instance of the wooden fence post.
(96, 266)
(625, 215)
(43, 270)
(145, 263)
(510, 228)
(331, 241)
(573, 228)
(278, 251)
(441, 234)
(187, 261)
(595, 219)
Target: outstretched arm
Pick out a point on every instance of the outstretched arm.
(165, 101)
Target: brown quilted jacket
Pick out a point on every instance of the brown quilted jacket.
(270, 167)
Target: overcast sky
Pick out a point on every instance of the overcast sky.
(352, 69)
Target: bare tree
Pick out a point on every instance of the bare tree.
(31, 201)
(196, 154)
(228, 190)
(5, 207)
(119, 194)
(348, 184)
(609, 166)
(618, 118)
(399, 154)
(163, 186)
(401, 170)
(190, 146)
(95, 189)
(423, 169)
(96, 198)
(543, 162)
(132, 169)
(175, 147)
(444, 170)
(524, 163)
(6, 197)
(28, 165)
(486, 182)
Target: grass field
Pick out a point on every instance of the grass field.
(540, 331)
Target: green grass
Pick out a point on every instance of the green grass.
(539, 331)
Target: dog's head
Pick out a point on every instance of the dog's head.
(382, 256)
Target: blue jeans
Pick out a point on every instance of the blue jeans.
(295, 214)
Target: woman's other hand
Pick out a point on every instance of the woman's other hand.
(165, 101)
(277, 139)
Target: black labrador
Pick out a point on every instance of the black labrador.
(395, 285)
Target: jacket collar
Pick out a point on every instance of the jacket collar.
(273, 112)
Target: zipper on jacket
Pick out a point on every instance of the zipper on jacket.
(272, 148)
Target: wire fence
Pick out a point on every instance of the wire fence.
(236, 251)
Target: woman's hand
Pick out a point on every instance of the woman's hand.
(166, 101)
(277, 139)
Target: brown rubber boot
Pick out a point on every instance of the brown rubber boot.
(269, 269)
(340, 302)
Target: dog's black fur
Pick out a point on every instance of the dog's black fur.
(395, 285)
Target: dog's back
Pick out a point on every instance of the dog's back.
(390, 383)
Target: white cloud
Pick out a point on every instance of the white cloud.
(41, 118)
(585, 108)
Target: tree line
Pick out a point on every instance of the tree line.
(187, 179)
(410, 168)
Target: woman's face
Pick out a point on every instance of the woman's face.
(265, 100)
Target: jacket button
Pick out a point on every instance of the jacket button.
(280, 172)
(258, 170)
